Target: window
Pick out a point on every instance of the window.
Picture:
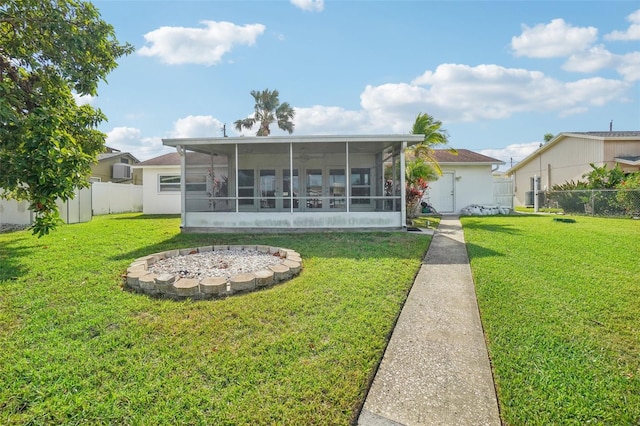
(360, 185)
(337, 183)
(124, 160)
(246, 186)
(286, 188)
(196, 182)
(268, 189)
(168, 183)
(314, 188)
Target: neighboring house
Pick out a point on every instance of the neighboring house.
(467, 178)
(288, 182)
(568, 156)
(115, 166)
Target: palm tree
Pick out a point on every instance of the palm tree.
(268, 109)
(434, 135)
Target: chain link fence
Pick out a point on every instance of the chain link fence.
(596, 202)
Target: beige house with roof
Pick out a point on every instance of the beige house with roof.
(115, 166)
(568, 156)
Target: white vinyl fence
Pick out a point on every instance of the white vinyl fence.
(109, 197)
(100, 198)
(15, 212)
(75, 210)
(503, 192)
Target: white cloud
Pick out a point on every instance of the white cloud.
(195, 126)
(555, 39)
(122, 134)
(317, 119)
(130, 139)
(83, 99)
(595, 91)
(309, 5)
(632, 33)
(591, 60)
(461, 93)
(511, 154)
(629, 66)
(207, 46)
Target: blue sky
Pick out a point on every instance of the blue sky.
(499, 75)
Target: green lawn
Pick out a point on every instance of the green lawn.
(75, 348)
(560, 304)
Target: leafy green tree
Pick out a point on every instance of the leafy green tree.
(434, 136)
(548, 137)
(422, 166)
(49, 50)
(268, 109)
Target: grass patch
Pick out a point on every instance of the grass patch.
(560, 304)
(522, 209)
(426, 222)
(75, 348)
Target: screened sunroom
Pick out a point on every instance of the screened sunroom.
(293, 182)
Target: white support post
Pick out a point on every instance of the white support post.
(536, 184)
(347, 177)
(237, 183)
(183, 185)
(403, 189)
(291, 177)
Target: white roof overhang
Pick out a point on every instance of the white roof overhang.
(222, 145)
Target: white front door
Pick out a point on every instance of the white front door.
(443, 198)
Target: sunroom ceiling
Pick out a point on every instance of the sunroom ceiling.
(301, 144)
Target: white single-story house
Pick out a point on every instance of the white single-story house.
(568, 156)
(467, 178)
(287, 182)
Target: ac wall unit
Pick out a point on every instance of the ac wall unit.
(121, 171)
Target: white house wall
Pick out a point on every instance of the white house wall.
(472, 184)
(154, 201)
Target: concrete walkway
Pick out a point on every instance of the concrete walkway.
(436, 369)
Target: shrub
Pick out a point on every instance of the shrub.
(629, 194)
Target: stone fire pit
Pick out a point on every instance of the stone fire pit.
(211, 271)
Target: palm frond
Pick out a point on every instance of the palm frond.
(268, 109)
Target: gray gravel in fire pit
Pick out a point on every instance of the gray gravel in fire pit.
(226, 263)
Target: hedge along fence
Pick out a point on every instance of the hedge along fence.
(596, 202)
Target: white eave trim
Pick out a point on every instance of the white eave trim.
(241, 140)
(472, 163)
(627, 161)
